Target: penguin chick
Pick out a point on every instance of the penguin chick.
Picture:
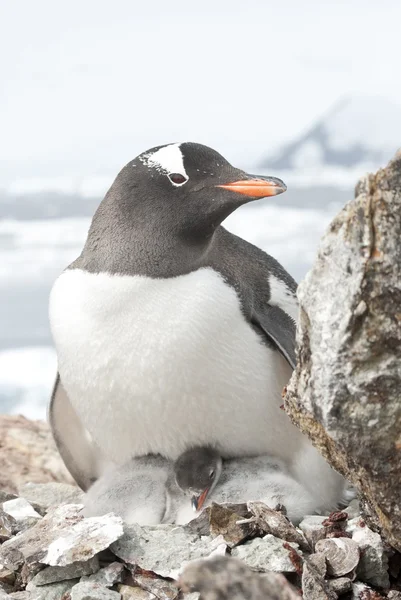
(135, 491)
(203, 478)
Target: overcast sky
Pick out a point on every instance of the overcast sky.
(88, 84)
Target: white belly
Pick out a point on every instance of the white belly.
(157, 365)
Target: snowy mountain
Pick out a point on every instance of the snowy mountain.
(357, 134)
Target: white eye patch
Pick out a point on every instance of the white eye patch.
(168, 160)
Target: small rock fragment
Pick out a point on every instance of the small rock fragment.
(353, 510)
(340, 585)
(394, 595)
(129, 592)
(51, 494)
(342, 555)
(225, 522)
(23, 513)
(361, 591)
(373, 565)
(225, 578)
(107, 576)
(267, 554)
(4, 496)
(314, 586)
(73, 571)
(6, 576)
(8, 526)
(313, 529)
(161, 588)
(274, 522)
(89, 590)
(20, 596)
(62, 537)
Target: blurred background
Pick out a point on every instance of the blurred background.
(307, 91)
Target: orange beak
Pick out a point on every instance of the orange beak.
(198, 501)
(257, 187)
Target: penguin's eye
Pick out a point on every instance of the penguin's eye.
(211, 474)
(177, 178)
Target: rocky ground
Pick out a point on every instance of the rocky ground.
(49, 551)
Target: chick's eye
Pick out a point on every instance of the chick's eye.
(211, 474)
(177, 178)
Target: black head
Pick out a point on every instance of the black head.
(188, 188)
(197, 471)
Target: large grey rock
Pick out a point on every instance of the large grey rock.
(62, 537)
(267, 554)
(90, 590)
(51, 494)
(161, 549)
(344, 393)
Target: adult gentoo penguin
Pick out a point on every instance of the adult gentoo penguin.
(172, 332)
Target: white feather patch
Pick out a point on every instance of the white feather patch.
(283, 297)
(168, 159)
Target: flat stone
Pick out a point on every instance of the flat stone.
(342, 555)
(161, 548)
(274, 522)
(20, 596)
(47, 495)
(3, 595)
(373, 564)
(224, 521)
(62, 537)
(161, 588)
(107, 576)
(89, 590)
(129, 592)
(267, 554)
(22, 511)
(53, 591)
(73, 571)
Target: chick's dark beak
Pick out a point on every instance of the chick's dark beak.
(256, 186)
(198, 501)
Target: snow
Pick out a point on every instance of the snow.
(32, 249)
(372, 122)
(26, 379)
